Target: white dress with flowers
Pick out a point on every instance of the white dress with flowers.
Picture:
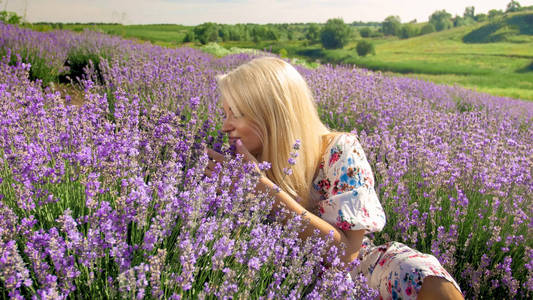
(346, 198)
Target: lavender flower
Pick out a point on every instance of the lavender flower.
(107, 197)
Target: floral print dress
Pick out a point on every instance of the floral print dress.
(345, 195)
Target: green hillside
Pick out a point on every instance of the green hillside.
(494, 57)
(501, 68)
(504, 29)
(161, 34)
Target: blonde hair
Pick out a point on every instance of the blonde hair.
(276, 99)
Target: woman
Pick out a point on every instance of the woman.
(269, 106)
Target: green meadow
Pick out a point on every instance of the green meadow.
(503, 68)
(496, 59)
(499, 68)
(160, 34)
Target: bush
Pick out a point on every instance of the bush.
(365, 32)
(364, 48)
(428, 28)
(391, 26)
(77, 61)
(408, 31)
(376, 34)
(189, 37)
(335, 34)
(441, 19)
(9, 17)
(206, 32)
(313, 33)
(283, 53)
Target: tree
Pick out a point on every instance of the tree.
(272, 34)
(364, 48)
(365, 32)
(312, 33)
(469, 17)
(494, 13)
(428, 28)
(189, 37)
(206, 32)
(391, 25)
(223, 33)
(458, 21)
(290, 35)
(257, 33)
(237, 32)
(480, 17)
(10, 17)
(283, 53)
(441, 19)
(469, 12)
(513, 6)
(334, 34)
(408, 30)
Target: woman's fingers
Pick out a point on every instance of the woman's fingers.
(241, 149)
(213, 155)
(214, 159)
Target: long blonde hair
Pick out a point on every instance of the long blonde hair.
(276, 99)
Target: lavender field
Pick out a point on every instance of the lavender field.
(108, 199)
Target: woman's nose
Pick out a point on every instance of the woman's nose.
(227, 126)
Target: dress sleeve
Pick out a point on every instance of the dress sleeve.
(351, 203)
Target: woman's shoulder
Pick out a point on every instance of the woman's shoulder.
(334, 141)
(343, 150)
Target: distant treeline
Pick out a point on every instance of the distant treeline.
(333, 34)
(75, 23)
(212, 32)
(442, 20)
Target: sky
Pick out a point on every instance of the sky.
(194, 12)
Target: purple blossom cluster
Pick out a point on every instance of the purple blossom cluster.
(52, 54)
(453, 170)
(109, 199)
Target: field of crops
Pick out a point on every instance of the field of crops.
(108, 198)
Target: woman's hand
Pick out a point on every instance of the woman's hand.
(217, 158)
(214, 158)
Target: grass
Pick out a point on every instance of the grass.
(500, 68)
(511, 85)
(438, 69)
(161, 34)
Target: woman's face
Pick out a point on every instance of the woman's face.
(243, 129)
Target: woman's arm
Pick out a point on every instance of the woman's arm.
(352, 238)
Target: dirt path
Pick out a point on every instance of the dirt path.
(76, 93)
